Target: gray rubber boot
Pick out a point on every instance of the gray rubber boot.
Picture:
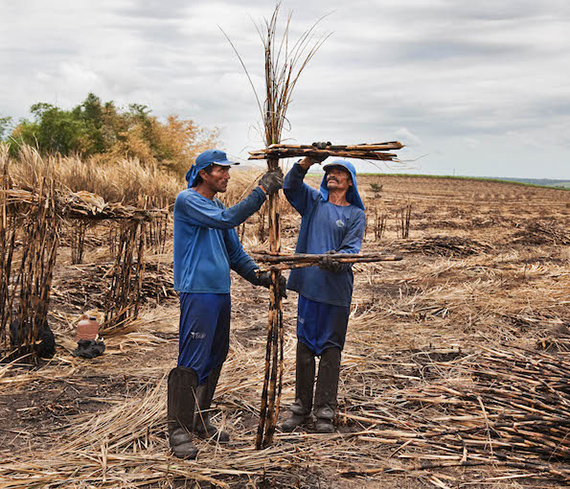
(326, 391)
(304, 384)
(204, 395)
(182, 384)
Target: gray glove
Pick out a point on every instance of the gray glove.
(329, 264)
(272, 181)
(321, 144)
(264, 279)
(319, 158)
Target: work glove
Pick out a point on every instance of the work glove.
(329, 264)
(272, 181)
(320, 145)
(264, 279)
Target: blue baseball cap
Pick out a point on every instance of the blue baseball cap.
(213, 156)
(205, 159)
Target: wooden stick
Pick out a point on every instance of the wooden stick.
(309, 257)
(293, 262)
(270, 401)
(363, 155)
(363, 146)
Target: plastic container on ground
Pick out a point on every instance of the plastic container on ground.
(87, 328)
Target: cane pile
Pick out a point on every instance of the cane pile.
(364, 151)
(502, 407)
(426, 413)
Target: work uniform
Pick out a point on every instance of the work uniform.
(206, 247)
(324, 227)
(324, 296)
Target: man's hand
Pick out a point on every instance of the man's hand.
(272, 181)
(264, 279)
(321, 144)
(310, 160)
(329, 264)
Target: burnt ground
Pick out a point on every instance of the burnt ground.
(485, 265)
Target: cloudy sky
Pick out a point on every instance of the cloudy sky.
(472, 88)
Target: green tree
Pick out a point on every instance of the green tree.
(91, 115)
(53, 130)
(101, 130)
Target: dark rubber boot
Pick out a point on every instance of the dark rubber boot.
(304, 384)
(204, 395)
(182, 383)
(326, 391)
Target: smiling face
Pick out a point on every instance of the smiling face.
(217, 179)
(338, 179)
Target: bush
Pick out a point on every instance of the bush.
(106, 133)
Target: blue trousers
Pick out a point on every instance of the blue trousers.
(204, 333)
(321, 326)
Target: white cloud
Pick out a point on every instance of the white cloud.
(449, 78)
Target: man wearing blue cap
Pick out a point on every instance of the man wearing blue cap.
(206, 247)
(333, 222)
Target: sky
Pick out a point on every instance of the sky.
(471, 88)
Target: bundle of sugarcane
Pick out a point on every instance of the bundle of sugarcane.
(39, 227)
(364, 151)
(78, 205)
(122, 301)
(302, 260)
(7, 243)
(506, 406)
(283, 67)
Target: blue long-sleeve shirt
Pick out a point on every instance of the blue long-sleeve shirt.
(206, 245)
(324, 227)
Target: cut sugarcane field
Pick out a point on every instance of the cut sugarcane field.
(455, 371)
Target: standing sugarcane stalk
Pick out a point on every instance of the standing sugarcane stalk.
(7, 242)
(33, 282)
(271, 394)
(283, 66)
(122, 299)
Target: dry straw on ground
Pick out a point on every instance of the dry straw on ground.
(454, 373)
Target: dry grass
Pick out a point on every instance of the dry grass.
(448, 357)
(124, 181)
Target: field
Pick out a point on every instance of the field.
(454, 373)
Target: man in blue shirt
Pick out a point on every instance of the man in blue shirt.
(206, 247)
(333, 222)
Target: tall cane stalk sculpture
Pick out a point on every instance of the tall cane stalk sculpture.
(283, 66)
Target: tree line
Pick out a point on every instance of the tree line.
(101, 130)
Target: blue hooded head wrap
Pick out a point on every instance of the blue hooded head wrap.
(352, 195)
(204, 160)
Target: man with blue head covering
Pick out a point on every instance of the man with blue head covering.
(206, 247)
(333, 222)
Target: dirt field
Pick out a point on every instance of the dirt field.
(454, 373)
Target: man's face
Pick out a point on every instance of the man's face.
(338, 179)
(217, 179)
